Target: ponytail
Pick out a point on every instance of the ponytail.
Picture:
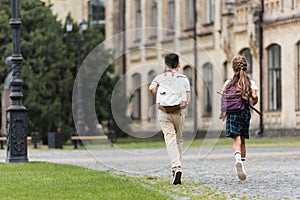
(240, 79)
(244, 85)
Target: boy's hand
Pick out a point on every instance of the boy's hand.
(184, 104)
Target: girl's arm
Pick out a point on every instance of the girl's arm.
(254, 97)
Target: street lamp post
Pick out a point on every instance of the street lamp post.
(16, 113)
(79, 98)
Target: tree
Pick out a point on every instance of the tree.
(46, 72)
(49, 67)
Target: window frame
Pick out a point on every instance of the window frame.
(154, 19)
(188, 71)
(274, 73)
(96, 14)
(171, 14)
(151, 100)
(209, 11)
(298, 76)
(208, 82)
(225, 68)
(138, 20)
(136, 97)
(247, 53)
(190, 17)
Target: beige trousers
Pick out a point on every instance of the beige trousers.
(171, 125)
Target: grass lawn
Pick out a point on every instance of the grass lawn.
(37, 180)
(131, 143)
(53, 181)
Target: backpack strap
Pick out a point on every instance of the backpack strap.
(257, 111)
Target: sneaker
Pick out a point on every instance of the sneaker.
(176, 175)
(240, 170)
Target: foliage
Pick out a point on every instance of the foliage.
(50, 65)
(54, 181)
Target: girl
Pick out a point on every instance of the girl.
(237, 123)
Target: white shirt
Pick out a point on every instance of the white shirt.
(162, 77)
(253, 85)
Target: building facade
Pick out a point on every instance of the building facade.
(207, 36)
(92, 11)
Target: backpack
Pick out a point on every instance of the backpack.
(232, 101)
(171, 91)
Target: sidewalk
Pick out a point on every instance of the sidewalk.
(272, 173)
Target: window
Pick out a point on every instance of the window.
(208, 77)
(136, 97)
(154, 18)
(210, 11)
(97, 14)
(246, 52)
(190, 13)
(171, 15)
(298, 74)
(274, 77)
(225, 75)
(151, 100)
(138, 19)
(188, 71)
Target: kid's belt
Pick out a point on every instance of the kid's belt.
(169, 109)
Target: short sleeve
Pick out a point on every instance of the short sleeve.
(187, 85)
(155, 80)
(253, 85)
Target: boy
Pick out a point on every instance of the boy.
(172, 93)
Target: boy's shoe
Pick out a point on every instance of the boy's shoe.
(240, 170)
(176, 175)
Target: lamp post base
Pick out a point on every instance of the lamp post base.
(16, 136)
(17, 160)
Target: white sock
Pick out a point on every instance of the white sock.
(237, 156)
(243, 160)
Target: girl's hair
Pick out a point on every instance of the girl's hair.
(240, 79)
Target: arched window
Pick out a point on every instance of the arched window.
(246, 52)
(151, 100)
(274, 77)
(208, 83)
(136, 97)
(188, 71)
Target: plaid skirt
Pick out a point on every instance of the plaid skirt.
(237, 124)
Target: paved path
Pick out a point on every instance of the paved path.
(272, 173)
